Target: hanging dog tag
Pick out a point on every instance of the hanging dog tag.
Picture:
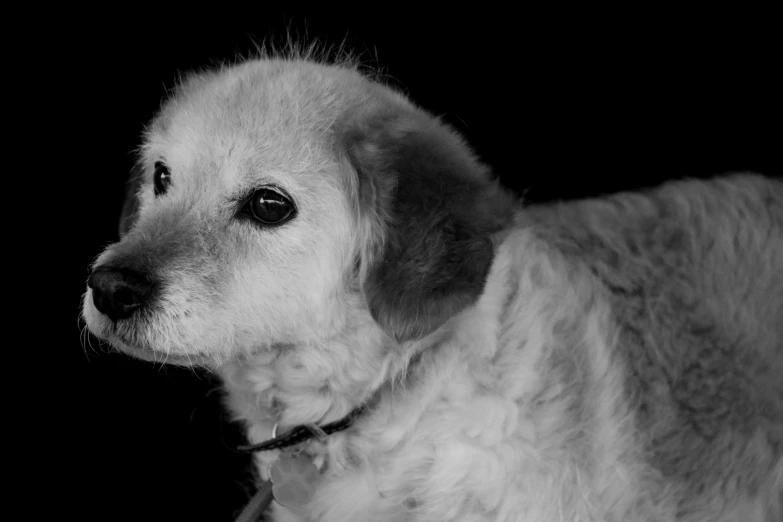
(293, 479)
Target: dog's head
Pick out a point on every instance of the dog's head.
(275, 200)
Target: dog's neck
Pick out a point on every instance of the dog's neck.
(321, 381)
(317, 382)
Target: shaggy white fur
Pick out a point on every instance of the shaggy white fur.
(608, 360)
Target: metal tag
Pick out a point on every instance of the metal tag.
(293, 479)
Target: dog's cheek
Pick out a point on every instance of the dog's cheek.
(193, 311)
(292, 292)
(270, 306)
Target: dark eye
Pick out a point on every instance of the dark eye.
(270, 207)
(161, 178)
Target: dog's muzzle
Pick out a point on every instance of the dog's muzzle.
(118, 292)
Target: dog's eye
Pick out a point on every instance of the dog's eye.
(161, 178)
(270, 207)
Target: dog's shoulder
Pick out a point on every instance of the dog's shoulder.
(692, 273)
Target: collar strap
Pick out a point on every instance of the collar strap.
(303, 433)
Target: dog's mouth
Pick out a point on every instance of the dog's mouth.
(121, 344)
(155, 356)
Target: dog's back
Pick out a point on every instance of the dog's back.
(693, 274)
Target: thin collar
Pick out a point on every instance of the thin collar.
(303, 433)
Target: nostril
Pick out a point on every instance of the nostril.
(118, 292)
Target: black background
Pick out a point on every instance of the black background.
(561, 104)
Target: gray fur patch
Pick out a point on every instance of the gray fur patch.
(439, 209)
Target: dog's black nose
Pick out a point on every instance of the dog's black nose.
(118, 292)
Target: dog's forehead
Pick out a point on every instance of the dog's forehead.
(262, 116)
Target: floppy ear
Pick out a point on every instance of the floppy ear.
(435, 208)
(130, 207)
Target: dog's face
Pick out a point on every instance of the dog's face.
(276, 200)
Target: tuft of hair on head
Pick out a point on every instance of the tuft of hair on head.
(293, 46)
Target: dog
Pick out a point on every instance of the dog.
(340, 257)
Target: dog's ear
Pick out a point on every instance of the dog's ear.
(434, 208)
(130, 207)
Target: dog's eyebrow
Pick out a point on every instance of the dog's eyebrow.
(245, 190)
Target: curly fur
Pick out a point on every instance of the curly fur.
(616, 359)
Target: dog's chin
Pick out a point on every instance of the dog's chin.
(156, 356)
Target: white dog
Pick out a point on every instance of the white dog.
(339, 255)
